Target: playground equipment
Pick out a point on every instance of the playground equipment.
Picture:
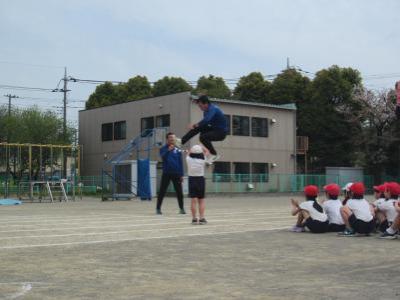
(38, 170)
(127, 173)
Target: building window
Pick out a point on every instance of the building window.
(242, 171)
(222, 171)
(260, 172)
(107, 132)
(259, 127)
(162, 121)
(228, 124)
(241, 125)
(146, 123)
(120, 130)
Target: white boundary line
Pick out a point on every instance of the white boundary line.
(129, 225)
(23, 219)
(140, 238)
(189, 227)
(123, 224)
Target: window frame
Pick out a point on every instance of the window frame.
(241, 133)
(260, 128)
(103, 126)
(123, 132)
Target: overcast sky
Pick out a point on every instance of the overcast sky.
(116, 40)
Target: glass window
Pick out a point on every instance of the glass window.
(107, 132)
(120, 130)
(228, 123)
(162, 121)
(222, 171)
(260, 172)
(241, 125)
(259, 127)
(146, 123)
(242, 171)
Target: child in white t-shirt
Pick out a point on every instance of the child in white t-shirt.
(387, 207)
(380, 216)
(310, 213)
(332, 208)
(195, 160)
(358, 214)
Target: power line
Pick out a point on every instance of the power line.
(25, 88)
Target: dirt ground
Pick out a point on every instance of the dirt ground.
(121, 250)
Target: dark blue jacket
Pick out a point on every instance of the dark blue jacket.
(172, 161)
(214, 117)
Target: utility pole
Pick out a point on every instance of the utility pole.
(65, 104)
(9, 96)
(287, 63)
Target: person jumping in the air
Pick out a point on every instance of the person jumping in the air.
(213, 127)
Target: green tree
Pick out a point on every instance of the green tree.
(290, 86)
(170, 85)
(332, 135)
(107, 93)
(253, 88)
(213, 87)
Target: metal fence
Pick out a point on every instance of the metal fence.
(224, 183)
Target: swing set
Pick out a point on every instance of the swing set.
(38, 170)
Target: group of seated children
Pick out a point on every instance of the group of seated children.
(354, 215)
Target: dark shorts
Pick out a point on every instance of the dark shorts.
(316, 226)
(361, 226)
(197, 187)
(336, 227)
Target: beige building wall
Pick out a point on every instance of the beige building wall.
(90, 122)
(278, 148)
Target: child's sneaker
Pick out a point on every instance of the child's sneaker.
(387, 236)
(182, 211)
(194, 221)
(158, 211)
(202, 221)
(347, 232)
(296, 228)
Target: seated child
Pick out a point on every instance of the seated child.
(386, 208)
(346, 192)
(357, 214)
(332, 208)
(391, 232)
(309, 213)
(380, 218)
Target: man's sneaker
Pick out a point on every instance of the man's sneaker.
(202, 221)
(296, 228)
(387, 236)
(212, 158)
(182, 211)
(195, 221)
(347, 232)
(158, 211)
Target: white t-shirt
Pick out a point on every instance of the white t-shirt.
(314, 214)
(388, 209)
(360, 209)
(195, 166)
(332, 209)
(378, 202)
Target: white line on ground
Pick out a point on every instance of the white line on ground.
(103, 225)
(189, 227)
(140, 238)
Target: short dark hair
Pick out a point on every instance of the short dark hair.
(168, 134)
(203, 99)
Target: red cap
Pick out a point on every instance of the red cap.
(332, 189)
(393, 188)
(358, 188)
(311, 191)
(380, 188)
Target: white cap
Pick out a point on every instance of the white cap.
(196, 149)
(347, 187)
